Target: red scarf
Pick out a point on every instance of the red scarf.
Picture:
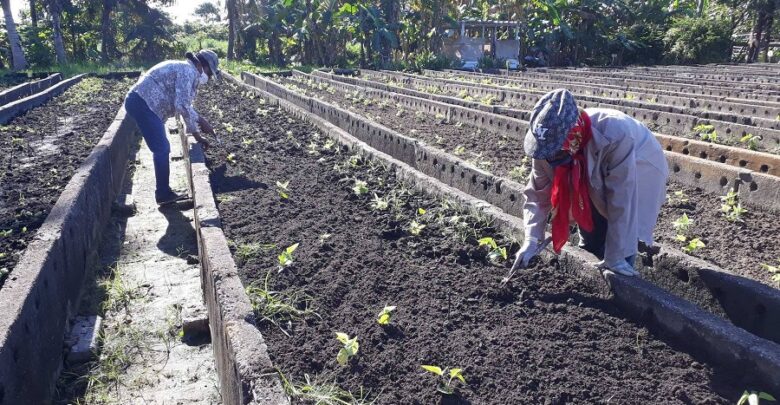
(571, 183)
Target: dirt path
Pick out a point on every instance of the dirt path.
(145, 357)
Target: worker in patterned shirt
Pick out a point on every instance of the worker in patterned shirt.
(164, 91)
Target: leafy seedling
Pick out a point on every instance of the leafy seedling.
(754, 398)
(385, 315)
(379, 204)
(682, 224)
(360, 187)
(282, 189)
(774, 271)
(324, 238)
(286, 257)
(446, 378)
(750, 141)
(231, 158)
(677, 197)
(706, 132)
(495, 253)
(247, 142)
(693, 245)
(732, 208)
(459, 150)
(415, 228)
(349, 350)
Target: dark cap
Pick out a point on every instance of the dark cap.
(553, 116)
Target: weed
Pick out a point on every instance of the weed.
(415, 228)
(348, 350)
(228, 127)
(379, 204)
(329, 144)
(321, 394)
(520, 173)
(247, 142)
(495, 253)
(277, 307)
(385, 315)
(282, 189)
(360, 187)
(247, 251)
(732, 208)
(753, 397)
(6, 233)
(459, 150)
(286, 257)
(773, 270)
(231, 158)
(750, 141)
(445, 385)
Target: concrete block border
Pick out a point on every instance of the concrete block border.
(713, 176)
(20, 106)
(27, 89)
(43, 292)
(693, 328)
(245, 372)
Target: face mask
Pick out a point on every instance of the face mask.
(204, 78)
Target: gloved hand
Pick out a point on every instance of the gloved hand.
(621, 267)
(526, 253)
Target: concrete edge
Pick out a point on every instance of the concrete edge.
(244, 368)
(693, 328)
(27, 89)
(42, 293)
(713, 176)
(18, 107)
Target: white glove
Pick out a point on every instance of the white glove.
(526, 253)
(621, 267)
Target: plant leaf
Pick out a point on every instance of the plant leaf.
(433, 369)
(421, 211)
(457, 373)
(342, 337)
(342, 357)
(764, 395)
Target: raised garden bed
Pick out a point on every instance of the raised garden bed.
(503, 156)
(545, 337)
(40, 151)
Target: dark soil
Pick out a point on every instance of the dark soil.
(741, 247)
(495, 153)
(40, 151)
(544, 338)
(755, 237)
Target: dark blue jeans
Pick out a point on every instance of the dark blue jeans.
(595, 240)
(153, 130)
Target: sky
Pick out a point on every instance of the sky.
(181, 11)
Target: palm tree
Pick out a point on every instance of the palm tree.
(55, 9)
(17, 54)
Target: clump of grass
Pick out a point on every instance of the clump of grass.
(279, 308)
(322, 393)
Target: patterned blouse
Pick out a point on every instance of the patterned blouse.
(169, 88)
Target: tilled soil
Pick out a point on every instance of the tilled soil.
(544, 338)
(495, 153)
(754, 237)
(40, 151)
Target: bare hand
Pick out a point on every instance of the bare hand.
(201, 140)
(205, 126)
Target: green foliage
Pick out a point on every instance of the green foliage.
(693, 245)
(698, 40)
(386, 315)
(753, 398)
(446, 378)
(496, 254)
(750, 141)
(732, 208)
(286, 257)
(349, 349)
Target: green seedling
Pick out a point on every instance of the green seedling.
(247, 142)
(750, 141)
(754, 398)
(415, 228)
(677, 197)
(488, 100)
(682, 224)
(282, 190)
(421, 211)
(446, 378)
(228, 127)
(732, 208)
(6, 233)
(459, 150)
(630, 96)
(774, 271)
(379, 204)
(706, 132)
(439, 140)
(419, 115)
(360, 187)
(349, 350)
(286, 257)
(495, 253)
(386, 315)
(324, 238)
(329, 144)
(458, 124)
(693, 245)
(231, 158)
(440, 117)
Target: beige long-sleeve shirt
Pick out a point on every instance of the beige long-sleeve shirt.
(169, 88)
(627, 174)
